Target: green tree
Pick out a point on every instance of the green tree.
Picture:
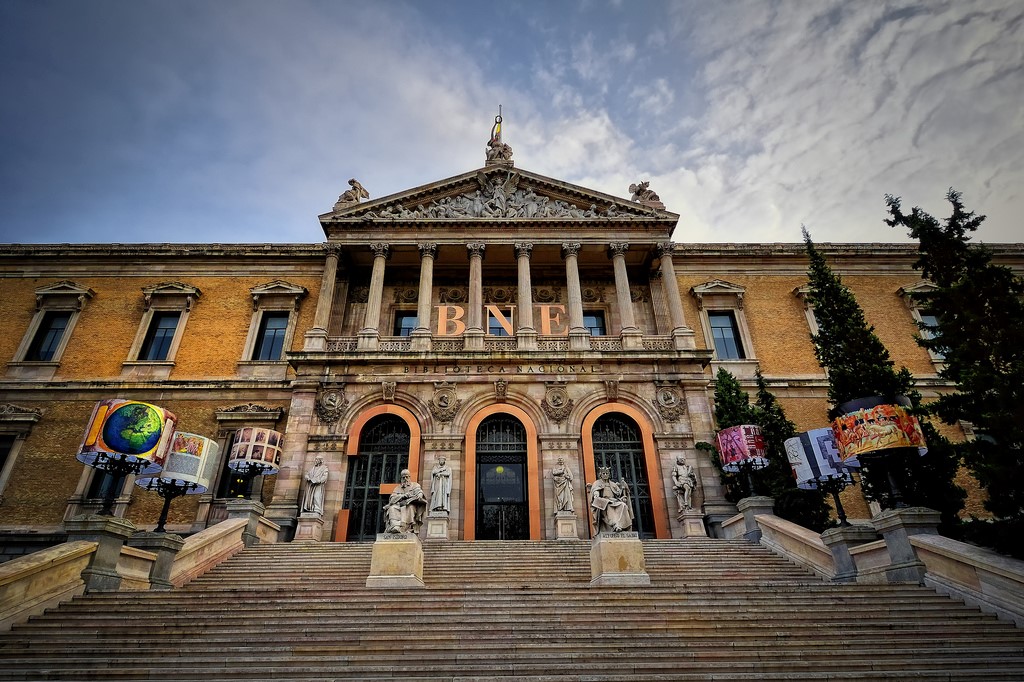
(732, 408)
(859, 366)
(979, 310)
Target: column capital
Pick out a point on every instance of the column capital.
(524, 249)
(380, 249)
(428, 249)
(617, 249)
(331, 249)
(663, 249)
(476, 249)
(570, 249)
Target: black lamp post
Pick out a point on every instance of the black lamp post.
(118, 467)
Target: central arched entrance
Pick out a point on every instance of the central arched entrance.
(383, 453)
(502, 504)
(619, 446)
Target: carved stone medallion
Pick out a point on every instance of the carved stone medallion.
(389, 388)
(669, 402)
(501, 390)
(444, 404)
(557, 404)
(330, 404)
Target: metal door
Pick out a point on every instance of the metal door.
(383, 453)
(618, 446)
(502, 508)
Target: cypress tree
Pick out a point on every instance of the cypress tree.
(859, 366)
(979, 310)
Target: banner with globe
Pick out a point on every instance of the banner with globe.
(127, 430)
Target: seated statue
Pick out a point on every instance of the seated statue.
(404, 511)
(610, 504)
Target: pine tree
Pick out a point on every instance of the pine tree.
(980, 334)
(859, 366)
(804, 507)
(732, 408)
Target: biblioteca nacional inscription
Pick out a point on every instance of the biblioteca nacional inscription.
(550, 368)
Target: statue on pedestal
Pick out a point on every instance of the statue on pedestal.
(684, 482)
(316, 481)
(610, 504)
(563, 486)
(441, 486)
(404, 511)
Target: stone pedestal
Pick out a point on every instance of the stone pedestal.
(310, 527)
(251, 511)
(368, 339)
(526, 339)
(618, 559)
(437, 525)
(420, 340)
(166, 546)
(751, 508)
(565, 525)
(396, 561)
(315, 340)
(683, 339)
(839, 541)
(632, 339)
(693, 524)
(110, 532)
(579, 340)
(896, 527)
(473, 339)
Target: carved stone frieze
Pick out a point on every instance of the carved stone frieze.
(557, 404)
(406, 294)
(389, 388)
(501, 390)
(499, 295)
(360, 294)
(639, 294)
(592, 292)
(453, 294)
(547, 295)
(330, 405)
(669, 401)
(444, 404)
(249, 408)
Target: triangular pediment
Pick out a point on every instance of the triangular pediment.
(494, 193)
(718, 286)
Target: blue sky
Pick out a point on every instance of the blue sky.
(241, 121)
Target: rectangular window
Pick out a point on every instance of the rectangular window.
(726, 335)
(594, 322)
(499, 321)
(6, 445)
(48, 336)
(930, 319)
(159, 337)
(405, 323)
(102, 482)
(270, 340)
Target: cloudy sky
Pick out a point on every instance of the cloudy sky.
(241, 120)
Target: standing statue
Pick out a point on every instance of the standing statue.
(404, 511)
(610, 504)
(684, 482)
(316, 481)
(441, 486)
(563, 486)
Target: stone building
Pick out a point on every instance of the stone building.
(498, 318)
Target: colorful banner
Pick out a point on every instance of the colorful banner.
(191, 459)
(127, 430)
(882, 427)
(742, 445)
(260, 446)
(814, 456)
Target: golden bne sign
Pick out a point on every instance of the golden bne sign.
(552, 319)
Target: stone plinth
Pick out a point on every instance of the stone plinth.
(250, 510)
(437, 525)
(166, 546)
(618, 559)
(566, 525)
(751, 508)
(693, 524)
(110, 532)
(839, 541)
(896, 527)
(396, 561)
(310, 527)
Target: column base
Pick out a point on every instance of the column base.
(693, 523)
(683, 338)
(897, 526)
(526, 339)
(420, 340)
(396, 561)
(751, 508)
(166, 546)
(579, 339)
(617, 559)
(632, 339)
(437, 525)
(368, 339)
(566, 525)
(110, 532)
(250, 510)
(315, 340)
(839, 541)
(310, 527)
(473, 339)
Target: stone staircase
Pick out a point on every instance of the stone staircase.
(716, 610)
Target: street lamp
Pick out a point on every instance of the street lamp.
(742, 448)
(814, 458)
(187, 471)
(255, 452)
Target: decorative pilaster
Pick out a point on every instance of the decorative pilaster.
(526, 334)
(369, 336)
(681, 334)
(474, 334)
(316, 338)
(421, 335)
(579, 337)
(630, 334)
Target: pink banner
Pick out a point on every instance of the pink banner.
(741, 444)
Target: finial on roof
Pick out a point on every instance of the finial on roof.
(498, 153)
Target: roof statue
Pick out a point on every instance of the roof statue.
(498, 153)
(352, 196)
(643, 194)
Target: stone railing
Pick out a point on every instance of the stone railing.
(455, 344)
(503, 344)
(395, 344)
(549, 343)
(35, 582)
(798, 544)
(341, 344)
(206, 549)
(605, 344)
(658, 343)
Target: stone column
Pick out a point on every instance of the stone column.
(474, 334)
(316, 338)
(896, 527)
(751, 508)
(839, 541)
(682, 335)
(630, 334)
(526, 334)
(579, 337)
(110, 533)
(421, 335)
(166, 546)
(369, 337)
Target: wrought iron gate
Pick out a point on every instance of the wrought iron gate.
(502, 509)
(383, 453)
(618, 446)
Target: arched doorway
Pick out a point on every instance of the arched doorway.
(618, 445)
(502, 504)
(383, 452)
